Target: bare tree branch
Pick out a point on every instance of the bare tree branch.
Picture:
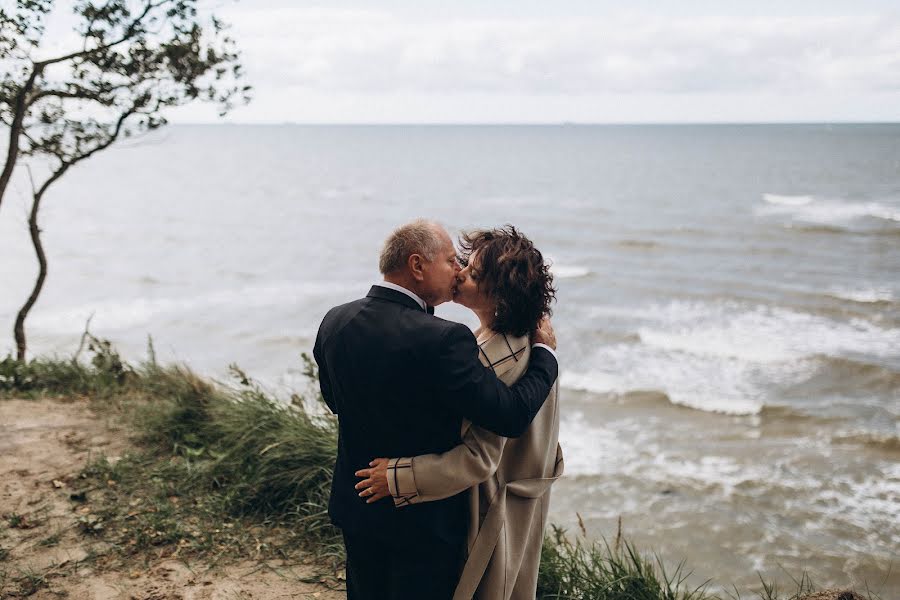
(75, 92)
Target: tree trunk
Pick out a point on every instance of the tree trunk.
(19, 329)
(35, 231)
(15, 130)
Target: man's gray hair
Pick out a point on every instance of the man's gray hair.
(419, 237)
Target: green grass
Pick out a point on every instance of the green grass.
(219, 470)
(228, 470)
(262, 457)
(22, 583)
(104, 375)
(582, 571)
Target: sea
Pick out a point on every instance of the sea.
(728, 312)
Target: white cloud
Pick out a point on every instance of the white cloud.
(413, 65)
(368, 51)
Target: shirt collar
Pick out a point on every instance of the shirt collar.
(400, 288)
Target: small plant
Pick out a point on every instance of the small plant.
(50, 541)
(107, 361)
(14, 520)
(30, 581)
(17, 521)
(104, 374)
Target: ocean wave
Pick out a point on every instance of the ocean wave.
(729, 357)
(781, 413)
(880, 441)
(569, 271)
(631, 450)
(682, 393)
(787, 200)
(138, 312)
(640, 244)
(599, 383)
(593, 450)
(864, 295)
(863, 374)
(760, 333)
(837, 215)
(829, 229)
(626, 452)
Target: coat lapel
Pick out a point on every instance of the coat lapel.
(502, 352)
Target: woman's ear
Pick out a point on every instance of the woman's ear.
(416, 266)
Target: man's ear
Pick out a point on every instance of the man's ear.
(416, 266)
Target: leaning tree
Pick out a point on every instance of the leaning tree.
(131, 61)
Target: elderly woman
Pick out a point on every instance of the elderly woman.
(508, 286)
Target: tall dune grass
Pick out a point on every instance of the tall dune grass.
(270, 460)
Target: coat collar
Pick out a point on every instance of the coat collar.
(502, 352)
(383, 293)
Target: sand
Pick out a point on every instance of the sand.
(43, 446)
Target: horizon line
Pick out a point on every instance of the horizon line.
(525, 123)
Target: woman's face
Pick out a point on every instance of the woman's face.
(470, 290)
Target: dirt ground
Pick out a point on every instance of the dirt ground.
(44, 444)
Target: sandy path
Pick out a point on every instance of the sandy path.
(43, 446)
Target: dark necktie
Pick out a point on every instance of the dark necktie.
(429, 310)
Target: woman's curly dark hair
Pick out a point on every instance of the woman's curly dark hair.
(513, 273)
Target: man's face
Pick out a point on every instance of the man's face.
(439, 275)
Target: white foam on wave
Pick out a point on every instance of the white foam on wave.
(720, 357)
(592, 450)
(628, 448)
(722, 472)
(870, 503)
(863, 295)
(592, 382)
(119, 314)
(569, 271)
(693, 382)
(828, 212)
(787, 200)
(760, 333)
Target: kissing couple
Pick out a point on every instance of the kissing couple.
(447, 439)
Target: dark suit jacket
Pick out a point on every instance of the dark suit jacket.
(400, 381)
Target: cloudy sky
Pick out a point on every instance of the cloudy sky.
(531, 61)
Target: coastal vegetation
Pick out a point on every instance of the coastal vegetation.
(224, 471)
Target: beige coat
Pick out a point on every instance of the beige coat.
(509, 479)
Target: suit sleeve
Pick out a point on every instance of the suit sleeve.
(324, 379)
(474, 392)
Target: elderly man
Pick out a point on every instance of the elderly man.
(400, 381)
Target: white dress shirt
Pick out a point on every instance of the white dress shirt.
(401, 289)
